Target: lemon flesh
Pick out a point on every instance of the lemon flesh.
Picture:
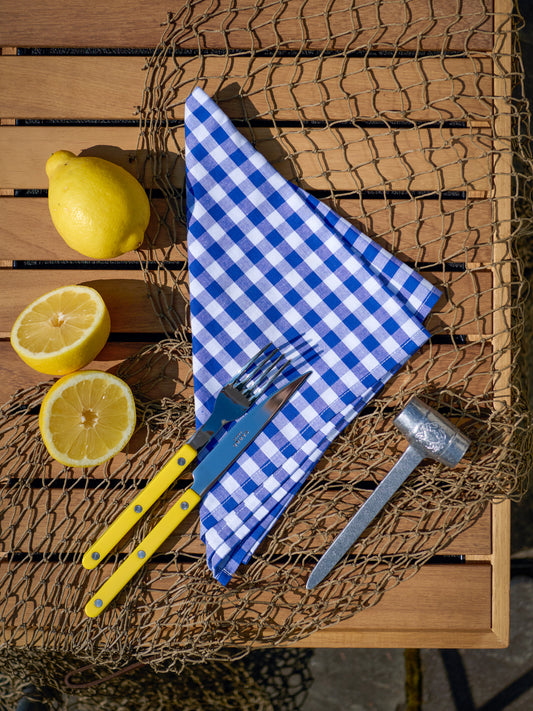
(98, 208)
(86, 418)
(62, 331)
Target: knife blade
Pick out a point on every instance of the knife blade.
(210, 469)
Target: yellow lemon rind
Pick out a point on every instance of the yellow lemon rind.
(100, 209)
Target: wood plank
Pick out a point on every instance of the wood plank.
(464, 610)
(78, 24)
(339, 636)
(501, 570)
(465, 307)
(384, 625)
(418, 230)
(28, 233)
(468, 369)
(29, 526)
(503, 169)
(400, 529)
(354, 158)
(52, 87)
(23, 166)
(126, 294)
(152, 448)
(463, 602)
(424, 231)
(417, 89)
(424, 24)
(16, 375)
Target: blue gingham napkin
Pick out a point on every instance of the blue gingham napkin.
(269, 262)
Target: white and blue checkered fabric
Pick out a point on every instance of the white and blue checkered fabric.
(269, 262)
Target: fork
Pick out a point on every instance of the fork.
(233, 400)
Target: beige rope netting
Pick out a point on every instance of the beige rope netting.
(361, 103)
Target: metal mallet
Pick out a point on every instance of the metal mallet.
(431, 436)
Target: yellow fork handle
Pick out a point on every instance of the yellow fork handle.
(139, 506)
(146, 548)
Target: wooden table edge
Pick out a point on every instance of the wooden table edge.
(345, 634)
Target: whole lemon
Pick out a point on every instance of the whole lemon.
(98, 208)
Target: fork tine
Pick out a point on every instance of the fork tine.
(263, 373)
(252, 384)
(252, 360)
(260, 368)
(258, 392)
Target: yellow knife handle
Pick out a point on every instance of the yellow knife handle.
(139, 506)
(146, 548)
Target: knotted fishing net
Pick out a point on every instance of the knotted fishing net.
(408, 117)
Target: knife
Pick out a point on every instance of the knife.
(232, 402)
(218, 461)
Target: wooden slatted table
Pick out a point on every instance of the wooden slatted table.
(94, 97)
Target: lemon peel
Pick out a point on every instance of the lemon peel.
(98, 208)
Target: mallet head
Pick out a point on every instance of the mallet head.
(431, 434)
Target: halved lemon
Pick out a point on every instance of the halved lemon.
(62, 331)
(87, 417)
